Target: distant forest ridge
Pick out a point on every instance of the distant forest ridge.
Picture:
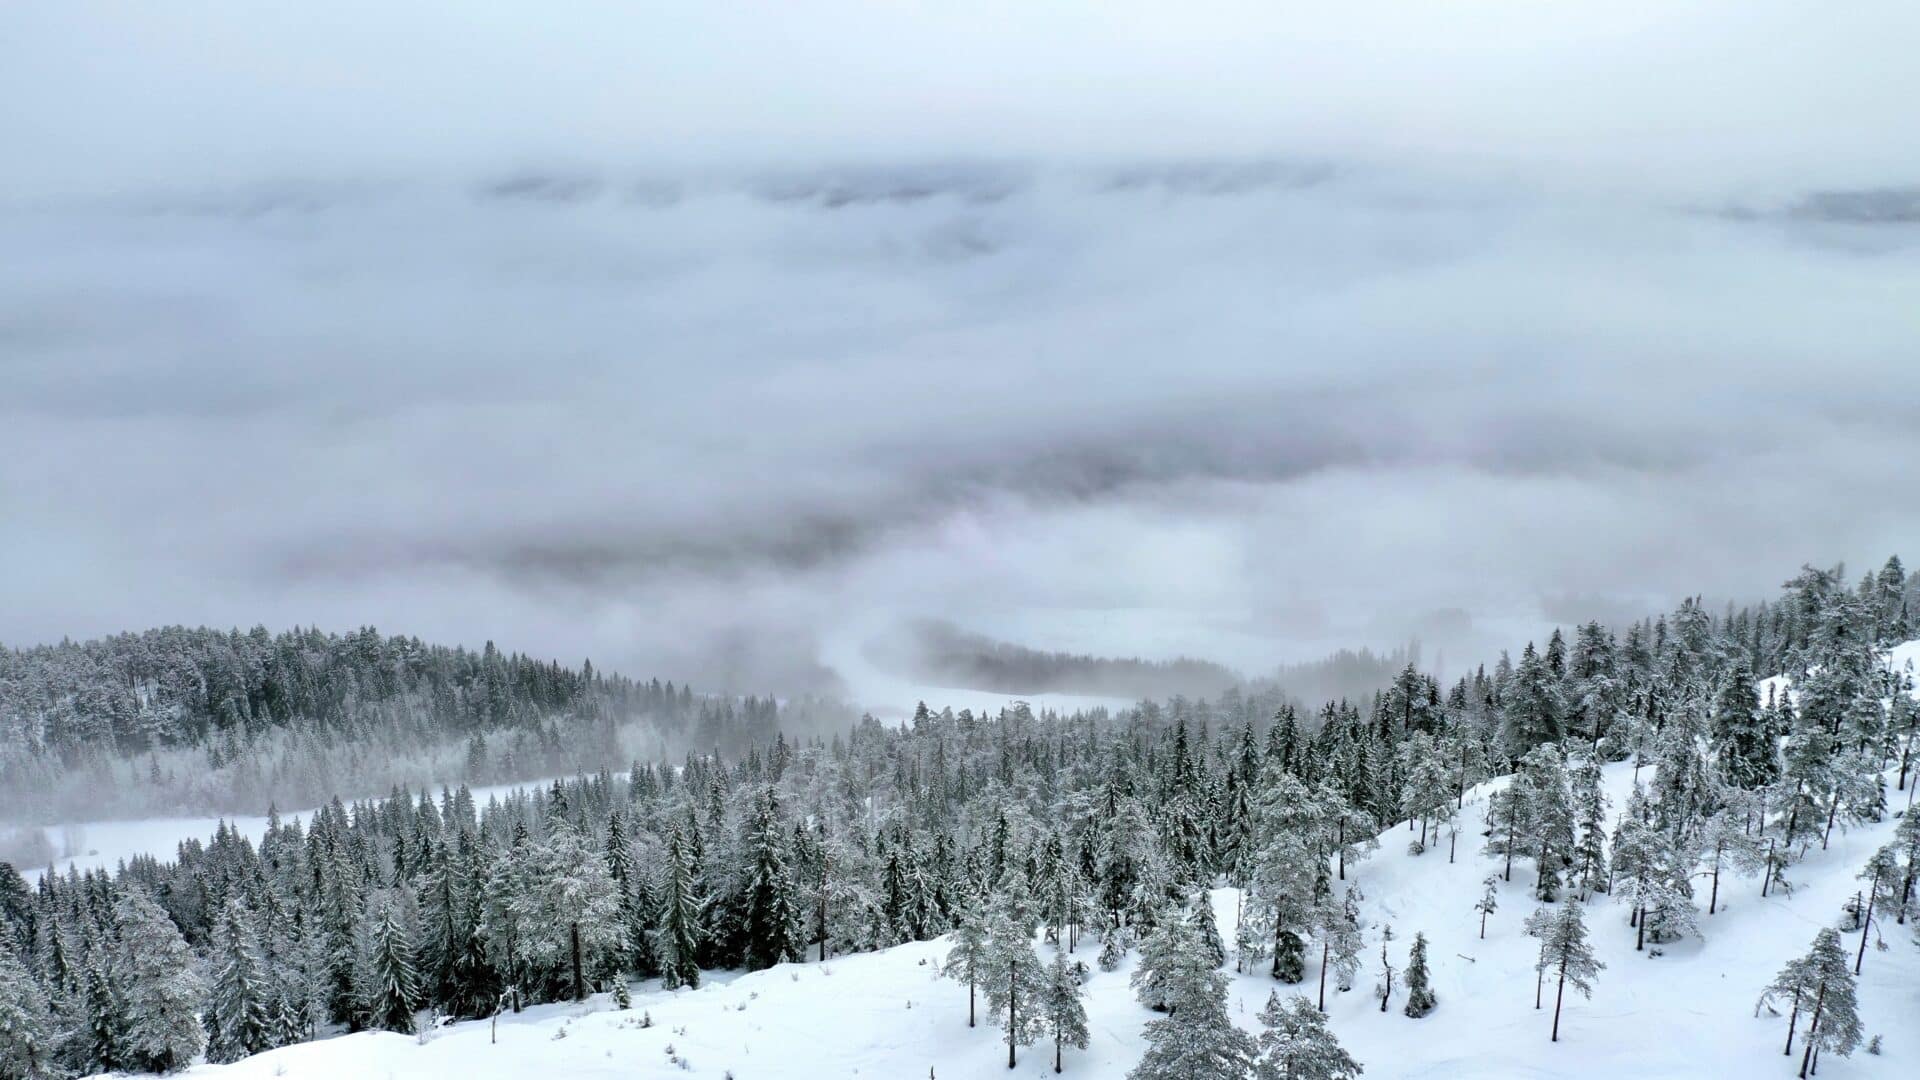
(178, 720)
(942, 653)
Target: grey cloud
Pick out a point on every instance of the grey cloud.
(710, 363)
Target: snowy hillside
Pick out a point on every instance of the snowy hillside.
(889, 1015)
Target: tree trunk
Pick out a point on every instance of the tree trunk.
(969, 1001)
(1513, 839)
(1866, 925)
(1558, 996)
(1793, 1022)
(1766, 875)
(1056, 1055)
(1325, 948)
(1640, 943)
(579, 981)
(1539, 985)
(1713, 897)
(1013, 997)
(1460, 786)
(1483, 924)
(1813, 1028)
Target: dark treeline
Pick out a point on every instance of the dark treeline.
(196, 720)
(1090, 827)
(945, 655)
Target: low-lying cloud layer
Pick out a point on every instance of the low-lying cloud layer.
(730, 407)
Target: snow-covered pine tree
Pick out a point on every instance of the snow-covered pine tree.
(1060, 1008)
(1819, 987)
(1115, 941)
(26, 1023)
(239, 1015)
(1196, 1040)
(1295, 1043)
(1906, 847)
(1489, 901)
(1566, 954)
(1882, 875)
(161, 992)
(1383, 989)
(1346, 938)
(1420, 996)
(1509, 817)
(1011, 973)
(966, 961)
(1665, 894)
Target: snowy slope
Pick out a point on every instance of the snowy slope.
(1686, 1013)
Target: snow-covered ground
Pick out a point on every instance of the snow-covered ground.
(92, 845)
(1686, 1013)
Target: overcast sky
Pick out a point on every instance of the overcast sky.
(714, 341)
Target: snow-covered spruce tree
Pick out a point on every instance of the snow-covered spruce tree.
(1290, 859)
(100, 1047)
(239, 1015)
(1566, 955)
(1533, 707)
(1295, 1043)
(390, 992)
(1115, 941)
(1489, 901)
(161, 992)
(1590, 814)
(1206, 928)
(1060, 1007)
(770, 903)
(1011, 973)
(1424, 786)
(1196, 1040)
(26, 1023)
(966, 961)
(1163, 951)
(1420, 996)
(677, 938)
(1338, 920)
(1509, 817)
(1549, 828)
(1746, 748)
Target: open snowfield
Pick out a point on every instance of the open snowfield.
(1687, 1013)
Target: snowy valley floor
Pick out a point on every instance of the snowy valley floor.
(888, 1015)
